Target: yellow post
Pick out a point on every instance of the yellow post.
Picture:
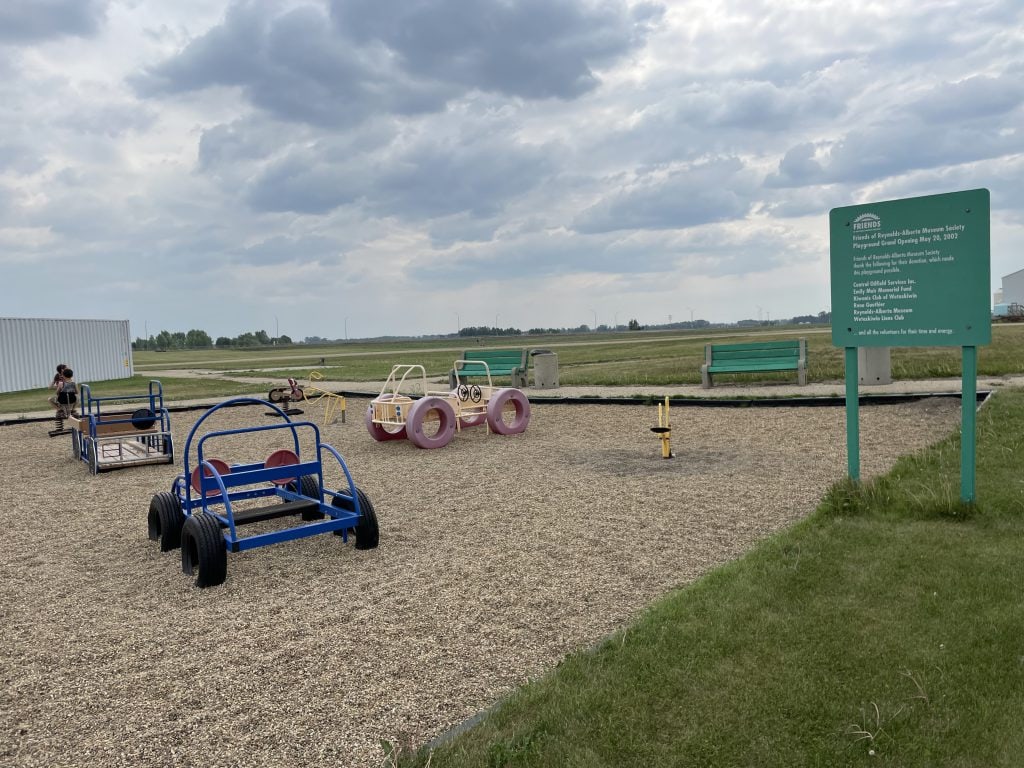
(666, 436)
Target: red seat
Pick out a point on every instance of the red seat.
(221, 467)
(281, 458)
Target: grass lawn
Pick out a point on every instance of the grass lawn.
(33, 400)
(601, 359)
(885, 630)
(634, 359)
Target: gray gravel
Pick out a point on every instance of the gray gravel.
(498, 556)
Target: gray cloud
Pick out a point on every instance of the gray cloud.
(19, 158)
(403, 58)
(700, 194)
(531, 49)
(293, 66)
(30, 21)
(281, 250)
(478, 176)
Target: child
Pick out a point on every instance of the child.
(67, 395)
(56, 384)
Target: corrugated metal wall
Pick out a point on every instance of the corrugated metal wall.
(30, 348)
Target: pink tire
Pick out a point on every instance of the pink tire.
(474, 420)
(417, 416)
(496, 407)
(380, 432)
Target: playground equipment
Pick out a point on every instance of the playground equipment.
(199, 513)
(664, 431)
(432, 420)
(120, 438)
(334, 405)
(64, 412)
(286, 396)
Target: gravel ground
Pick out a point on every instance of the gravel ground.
(498, 556)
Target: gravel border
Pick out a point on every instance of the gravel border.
(498, 556)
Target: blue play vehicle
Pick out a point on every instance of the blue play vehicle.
(198, 514)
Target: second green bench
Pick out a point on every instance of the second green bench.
(500, 362)
(753, 357)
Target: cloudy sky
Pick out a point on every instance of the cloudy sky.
(409, 166)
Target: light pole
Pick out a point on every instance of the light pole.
(691, 313)
(277, 329)
(346, 329)
(595, 319)
(496, 323)
(458, 324)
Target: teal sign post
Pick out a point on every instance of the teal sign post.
(913, 273)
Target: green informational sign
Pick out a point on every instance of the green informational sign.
(912, 273)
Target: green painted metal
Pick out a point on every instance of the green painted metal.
(913, 272)
(968, 430)
(852, 416)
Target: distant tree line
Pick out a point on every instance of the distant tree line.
(197, 339)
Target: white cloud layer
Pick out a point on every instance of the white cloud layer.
(401, 166)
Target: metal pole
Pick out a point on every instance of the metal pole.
(852, 416)
(968, 410)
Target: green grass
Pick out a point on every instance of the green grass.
(32, 400)
(603, 359)
(635, 359)
(882, 631)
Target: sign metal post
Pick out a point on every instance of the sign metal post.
(913, 272)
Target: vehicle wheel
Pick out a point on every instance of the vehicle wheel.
(508, 412)
(143, 419)
(382, 432)
(203, 550)
(165, 521)
(275, 395)
(474, 420)
(367, 532)
(431, 422)
(308, 486)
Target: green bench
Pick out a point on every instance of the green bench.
(501, 362)
(755, 357)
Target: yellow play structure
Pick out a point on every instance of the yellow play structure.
(334, 405)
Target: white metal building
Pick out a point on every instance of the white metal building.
(31, 348)
(1013, 288)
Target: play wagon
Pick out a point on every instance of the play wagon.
(110, 435)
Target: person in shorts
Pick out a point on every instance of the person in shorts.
(56, 384)
(67, 396)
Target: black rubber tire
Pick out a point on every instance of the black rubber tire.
(276, 395)
(308, 486)
(166, 520)
(367, 531)
(143, 418)
(202, 550)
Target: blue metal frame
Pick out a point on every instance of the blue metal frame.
(86, 447)
(244, 476)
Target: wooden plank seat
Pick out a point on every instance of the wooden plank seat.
(754, 357)
(500, 362)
